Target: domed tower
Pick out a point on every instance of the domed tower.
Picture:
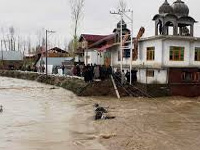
(117, 30)
(165, 8)
(180, 9)
(175, 16)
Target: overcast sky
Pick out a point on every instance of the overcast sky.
(29, 16)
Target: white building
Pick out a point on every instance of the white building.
(171, 56)
(173, 46)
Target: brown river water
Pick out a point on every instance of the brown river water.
(41, 117)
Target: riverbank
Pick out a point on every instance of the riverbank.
(76, 85)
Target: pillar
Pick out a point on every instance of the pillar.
(191, 30)
(175, 30)
(180, 31)
(156, 28)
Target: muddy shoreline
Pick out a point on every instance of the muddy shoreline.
(77, 86)
(140, 124)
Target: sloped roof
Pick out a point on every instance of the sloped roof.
(106, 38)
(56, 49)
(92, 37)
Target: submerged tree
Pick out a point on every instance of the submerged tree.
(76, 14)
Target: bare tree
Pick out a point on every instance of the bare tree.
(66, 45)
(29, 45)
(70, 47)
(40, 36)
(12, 38)
(76, 14)
(4, 40)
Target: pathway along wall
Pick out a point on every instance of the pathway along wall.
(77, 86)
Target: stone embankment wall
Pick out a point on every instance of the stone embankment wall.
(77, 86)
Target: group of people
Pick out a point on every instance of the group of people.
(91, 72)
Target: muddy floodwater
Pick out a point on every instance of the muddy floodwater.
(43, 117)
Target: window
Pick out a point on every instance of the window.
(150, 53)
(150, 73)
(197, 54)
(187, 76)
(197, 76)
(191, 76)
(176, 53)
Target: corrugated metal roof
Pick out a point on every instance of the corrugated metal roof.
(11, 55)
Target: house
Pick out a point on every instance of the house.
(55, 58)
(105, 50)
(88, 54)
(171, 57)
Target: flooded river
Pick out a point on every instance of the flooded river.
(41, 117)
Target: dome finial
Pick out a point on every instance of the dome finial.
(165, 8)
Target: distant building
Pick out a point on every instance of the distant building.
(55, 58)
(11, 55)
(11, 59)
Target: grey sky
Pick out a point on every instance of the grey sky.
(29, 16)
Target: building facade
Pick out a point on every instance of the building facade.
(170, 57)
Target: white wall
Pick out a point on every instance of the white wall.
(114, 58)
(93, 57)
(143, 53)
(192, 54)
(162, 51)
(166, 51)
(160, 76)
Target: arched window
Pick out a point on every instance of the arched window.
(169, 28)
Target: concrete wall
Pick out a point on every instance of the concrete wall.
(166, 51)
(142, 59)
(94, 57)
(162, 51)
(160, 76)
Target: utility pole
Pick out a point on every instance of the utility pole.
(47, 31)
(131, 49)
(122, 13)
